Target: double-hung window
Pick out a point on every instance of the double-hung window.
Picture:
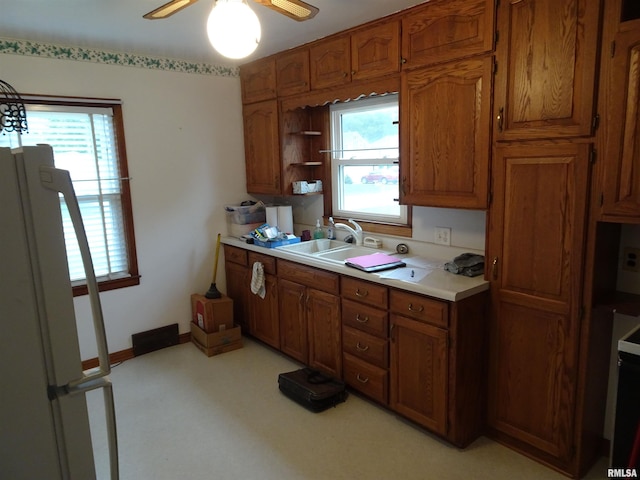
(364, 160)
(87, 139)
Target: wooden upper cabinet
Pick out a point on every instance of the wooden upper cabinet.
(292, 72)
(258, 80)
(445, 134)
(375, 51)
(545, 80)
(330, 62)
(444, 30)
(262, 147)
(621, 159)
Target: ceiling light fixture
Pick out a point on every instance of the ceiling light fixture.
(233, 28)
(13, 115)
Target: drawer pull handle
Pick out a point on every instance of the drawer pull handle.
(419, 309)
(361, 294)
(361, 319)
(361, 348)
(362, 380)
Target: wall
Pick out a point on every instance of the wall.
(186, 158)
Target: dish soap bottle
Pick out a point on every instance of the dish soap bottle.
(331, 229)
(317, 232)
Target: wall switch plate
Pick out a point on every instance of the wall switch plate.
(442, 236)
(631, 259)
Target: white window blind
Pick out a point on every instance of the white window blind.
(83, 142)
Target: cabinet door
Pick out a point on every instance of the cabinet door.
(258, 81)
(293, 320)
(330, 62)
(536, 237)
(375, 51)
(324, 324)
(292, 72)
(238, 290)
(419, 372)
(444, 134)
(262, 148)
(546, 55)
(621, 196)
(444, 30)
(265, 321)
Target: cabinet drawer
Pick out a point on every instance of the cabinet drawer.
(366, 292)
(235, 255)
(268, 262)
(309, 276)
(420, 308)
(366, 378)
(366, 347)
(365, 318)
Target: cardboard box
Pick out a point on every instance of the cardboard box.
(218, 342)
(217, 338)
(212, 315)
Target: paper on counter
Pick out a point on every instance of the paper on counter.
(407, 274)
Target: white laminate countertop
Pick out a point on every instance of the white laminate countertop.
(437, 282)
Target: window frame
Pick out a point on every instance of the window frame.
(400, 228)
(133, 278)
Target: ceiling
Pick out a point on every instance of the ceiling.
(117, 25)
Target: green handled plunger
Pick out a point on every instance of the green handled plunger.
(213, 291)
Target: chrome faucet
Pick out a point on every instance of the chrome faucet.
(357, 232)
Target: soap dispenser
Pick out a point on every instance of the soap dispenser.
(317, 232)
(331, 229)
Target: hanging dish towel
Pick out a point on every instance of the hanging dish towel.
(257, 280)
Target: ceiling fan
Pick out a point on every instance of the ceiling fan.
(296, 9)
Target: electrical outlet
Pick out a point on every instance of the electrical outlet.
(442, 236)
(631, 260)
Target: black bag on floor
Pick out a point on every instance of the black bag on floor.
(312, 389)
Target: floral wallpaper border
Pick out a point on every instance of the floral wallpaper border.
(26, 47)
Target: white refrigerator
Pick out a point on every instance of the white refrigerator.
(44, 418)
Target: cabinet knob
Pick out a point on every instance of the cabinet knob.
(362, 379)
(500, 119)
(494, 268)
(361, 319)
(362, 348)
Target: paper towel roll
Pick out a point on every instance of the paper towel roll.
(272, 216)
(285, 218)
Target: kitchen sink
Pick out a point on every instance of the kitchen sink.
(314, 246)
(329, 250)
(341, 254)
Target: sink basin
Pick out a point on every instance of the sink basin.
(341, 254)
(313, 246)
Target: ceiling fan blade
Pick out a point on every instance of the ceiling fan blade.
(168, 9)
(296, 9)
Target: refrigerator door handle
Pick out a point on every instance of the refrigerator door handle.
(60, 181)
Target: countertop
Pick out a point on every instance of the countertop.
(430, 278)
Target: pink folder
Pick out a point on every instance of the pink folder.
(373, 260)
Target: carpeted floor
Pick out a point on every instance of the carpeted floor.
(182, 415)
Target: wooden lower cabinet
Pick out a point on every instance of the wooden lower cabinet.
(323, 322)
(238, 277)
(419, 372)
(263, 312)
(293, 320)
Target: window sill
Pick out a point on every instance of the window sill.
(382, 228)
(106, 285)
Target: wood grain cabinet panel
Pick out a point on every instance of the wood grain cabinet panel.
(444, 30)
(237, 275)
(262, 148)
(536, 247)
(546, 55)
(292, 72)
(375, 51)
(330, 62)
(621, 159)
(325, 339)
(293, 320)
(367, 378)
(258, 81)
(445, 134)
